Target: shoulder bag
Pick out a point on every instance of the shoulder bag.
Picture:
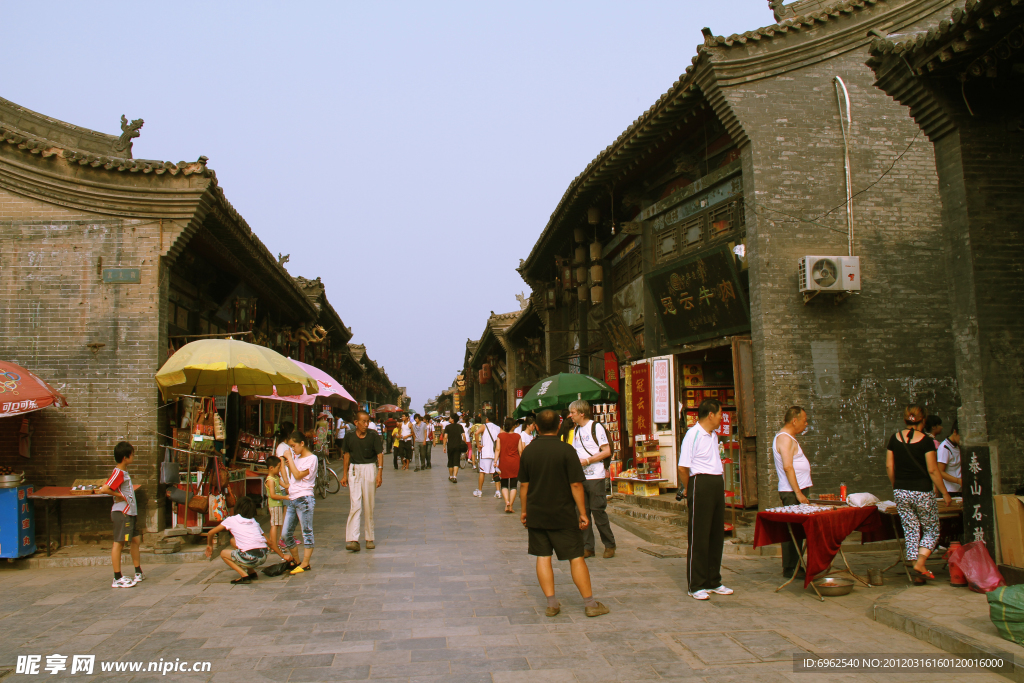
(910, 455)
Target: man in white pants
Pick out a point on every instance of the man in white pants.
(488, 441)
(363, 451)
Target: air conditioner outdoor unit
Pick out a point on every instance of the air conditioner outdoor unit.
(830, 274)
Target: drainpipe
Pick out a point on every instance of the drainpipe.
(844, 124)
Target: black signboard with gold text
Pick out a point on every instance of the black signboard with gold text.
(700, 298)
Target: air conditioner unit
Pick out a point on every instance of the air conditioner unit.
(830, 274)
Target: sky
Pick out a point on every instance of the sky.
(407, 153)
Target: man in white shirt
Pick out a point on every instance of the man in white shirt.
(794, 473)
(488, 440)
(406, 441)
(591, 443)
(948, 458)
(700, 475)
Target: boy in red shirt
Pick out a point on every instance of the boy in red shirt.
(123, 514)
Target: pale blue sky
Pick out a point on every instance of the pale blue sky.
(407, 153)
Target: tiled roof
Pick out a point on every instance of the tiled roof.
(973, 21)
(804, 22)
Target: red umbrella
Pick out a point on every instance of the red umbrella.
(23, 392)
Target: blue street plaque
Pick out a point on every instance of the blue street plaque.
(124, 276)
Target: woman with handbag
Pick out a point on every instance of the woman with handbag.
(913, 470)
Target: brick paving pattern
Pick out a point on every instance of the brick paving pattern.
(448, 595)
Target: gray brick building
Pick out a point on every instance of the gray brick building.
(734, 175)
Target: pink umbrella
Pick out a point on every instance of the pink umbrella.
(331, 390)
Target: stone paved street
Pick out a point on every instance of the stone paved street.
(449, 594)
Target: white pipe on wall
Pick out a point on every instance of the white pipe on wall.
(837, 82)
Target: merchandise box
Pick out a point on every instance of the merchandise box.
(1010, 522)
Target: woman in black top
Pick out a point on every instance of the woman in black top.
(913, 472)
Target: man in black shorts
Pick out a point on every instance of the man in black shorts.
(551, 478)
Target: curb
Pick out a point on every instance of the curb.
(102, 561)
(633, 526)
(940, 636)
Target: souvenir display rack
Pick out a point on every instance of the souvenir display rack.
(254, 449)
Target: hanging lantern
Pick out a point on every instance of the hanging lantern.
(597, 273)
(579, 235)
(580, 256)
(581, 274)
(550, 300)
(593, 216)
(597, 294)
(485, 373)
(595, 250)
(581, 292)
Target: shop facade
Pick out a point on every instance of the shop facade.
(678, 250)
(110, 264)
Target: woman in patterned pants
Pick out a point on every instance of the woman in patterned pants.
(914, 472)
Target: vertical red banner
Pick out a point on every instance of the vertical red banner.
(640, 379)
(611, 370)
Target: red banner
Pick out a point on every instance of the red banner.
(640, 378)
(611, 370)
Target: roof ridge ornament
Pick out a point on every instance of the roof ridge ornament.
(128, 131)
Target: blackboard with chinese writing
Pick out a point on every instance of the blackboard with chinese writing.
(979, 521)
(700, 298)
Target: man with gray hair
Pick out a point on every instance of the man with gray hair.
(591, 443)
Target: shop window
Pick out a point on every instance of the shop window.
(720, 221)
(692, 232)
(666, 243)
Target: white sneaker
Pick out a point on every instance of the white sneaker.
(722, 590)
(139, 576)
(477, 493)
(123, 582)
(699, 595)
(497, 494)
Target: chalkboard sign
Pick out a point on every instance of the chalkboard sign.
(979, 522)
(700, 298)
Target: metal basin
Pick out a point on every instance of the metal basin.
(831, 586)
(10, 481)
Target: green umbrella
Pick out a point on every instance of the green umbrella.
(558, 391)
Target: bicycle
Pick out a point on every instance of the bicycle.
(327, 480)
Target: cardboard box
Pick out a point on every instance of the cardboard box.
(1009, 512)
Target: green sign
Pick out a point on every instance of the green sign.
(131, 276)
(700, 298)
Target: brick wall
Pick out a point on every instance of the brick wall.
(982, 173)
(855, 365)
(52, 305)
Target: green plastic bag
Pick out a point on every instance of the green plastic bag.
(1006, 609)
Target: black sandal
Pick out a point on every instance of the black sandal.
(254, 576)
(241, 580)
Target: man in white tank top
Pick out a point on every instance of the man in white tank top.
(794, 471)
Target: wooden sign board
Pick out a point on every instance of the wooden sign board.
(700, 298)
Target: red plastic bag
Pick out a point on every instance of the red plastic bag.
(976, 564)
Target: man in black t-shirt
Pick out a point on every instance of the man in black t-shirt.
(455, 444)
(364, 465)
(551, 479)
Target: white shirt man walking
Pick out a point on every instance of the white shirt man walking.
(794, 472)
(488, 442)
(591, 443)
(363, 452)
(700, 474)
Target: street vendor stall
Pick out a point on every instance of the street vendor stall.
(21, 393)
(824, 529)
(217, 367)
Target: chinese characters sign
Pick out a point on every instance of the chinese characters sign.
(640, 381)
(132, 276)
(619, 337)
(979, 523)
(700, 298)
(660, 379)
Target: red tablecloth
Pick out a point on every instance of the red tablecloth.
(824, 531)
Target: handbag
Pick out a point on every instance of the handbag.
(170, 471)
(217, 505)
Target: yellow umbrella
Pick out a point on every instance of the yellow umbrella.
(213, 367)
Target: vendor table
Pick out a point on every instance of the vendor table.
(824, 533)
(55, 495)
